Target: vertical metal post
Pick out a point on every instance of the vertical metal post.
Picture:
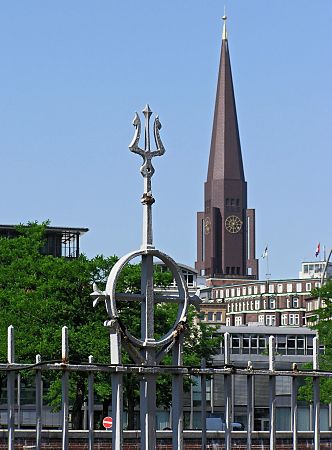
(39, 402)
(272, 393)
(11, 388)
(316, 391)
(203, 404)
(117, 391)
(177, 396)
(212, 394)
(228, 396)
(294, 410)
(191, 419)
(91, 406)
(250, 404)
(18, 401)
(65, 390)
(148, 384)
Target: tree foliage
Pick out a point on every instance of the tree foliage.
(322, 322)
(40, 294)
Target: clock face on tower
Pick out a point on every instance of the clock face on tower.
(233, 224)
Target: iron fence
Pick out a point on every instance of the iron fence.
(65, 368)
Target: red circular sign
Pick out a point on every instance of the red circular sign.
(107, 422)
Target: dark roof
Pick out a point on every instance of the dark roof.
(54, 229)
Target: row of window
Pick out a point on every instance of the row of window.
(232, 202)
(232, 270)
(265, 303)
(269, 320)
(212, 316)
(279, 288)
(285, 345)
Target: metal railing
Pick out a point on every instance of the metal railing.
(249, 373)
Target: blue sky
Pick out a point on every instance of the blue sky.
(73, 74)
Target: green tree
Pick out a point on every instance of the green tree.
(41, 294)
(322, 322)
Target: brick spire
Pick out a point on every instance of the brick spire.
(225, 153)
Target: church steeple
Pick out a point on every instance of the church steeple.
(225, 153)
(226, 228)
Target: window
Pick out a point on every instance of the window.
(235, 344)
(246, 344)
(238, 292)
(244, 291)
(255, 289)
(228, 322)
(249, 290)
(227, 292)
(272, 303)
(257, 303)
(293, 319)
(270, 320)
(240, 306)
(261, 318)
(262, 344)
(236, 307)
(298, 287)
(271, 288)
(238, 321)
(295, 302)
(280, 288)
(251, 305)
(291, 345)
(232, 292)
(210, 316)
(283, 319)
(218, 316)
(263, 289)
(289, 287)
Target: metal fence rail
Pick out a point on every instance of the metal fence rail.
(12, 369)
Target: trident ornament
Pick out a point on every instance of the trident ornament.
(147, 169)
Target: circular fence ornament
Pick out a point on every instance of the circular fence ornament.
(182, 300)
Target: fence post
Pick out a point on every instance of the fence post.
(39, 401)
(11, 388)
(91, 406)
(316, 394)
(272, 393)
(117, 389)
(177, 396)
(294, 410)
(203, 404)
(228, 396)
(65, 388)
(250, 405)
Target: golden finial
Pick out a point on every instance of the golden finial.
(224, 31)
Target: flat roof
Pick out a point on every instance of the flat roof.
(256, 329)
(55, 229)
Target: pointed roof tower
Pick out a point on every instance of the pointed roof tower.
(226, 228)
(225, 153)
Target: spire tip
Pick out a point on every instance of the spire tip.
(224, 31)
